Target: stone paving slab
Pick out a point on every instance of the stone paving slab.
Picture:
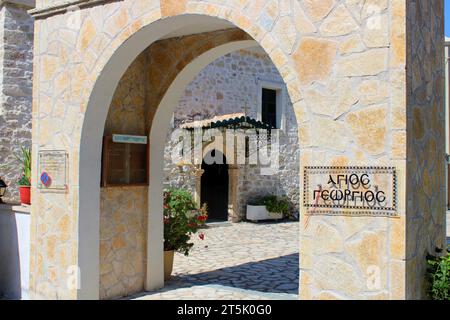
(237, 261)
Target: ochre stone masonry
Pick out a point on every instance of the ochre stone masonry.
(123, 228)
(360, 75)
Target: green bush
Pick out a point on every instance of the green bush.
(276, 205)
(182, 218)
(439, 276)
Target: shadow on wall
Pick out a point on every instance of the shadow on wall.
(14, 248)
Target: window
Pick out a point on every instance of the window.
(269, 107)
(270, 103)
(124, 164)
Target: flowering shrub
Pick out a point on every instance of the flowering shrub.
(182, 218)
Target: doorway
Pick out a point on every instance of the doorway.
(214, 187)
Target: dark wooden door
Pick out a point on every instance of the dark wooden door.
(214, 190)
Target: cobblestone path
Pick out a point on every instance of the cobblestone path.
(237, 261)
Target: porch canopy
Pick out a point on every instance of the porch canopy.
(230, 121)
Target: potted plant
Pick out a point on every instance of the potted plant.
(182, 219)
(266, 208)
(25, 181)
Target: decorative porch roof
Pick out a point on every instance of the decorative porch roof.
(239, 120)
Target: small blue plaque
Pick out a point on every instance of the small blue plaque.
(123, 138)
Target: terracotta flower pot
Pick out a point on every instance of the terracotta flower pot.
(25, 194)
(168, 264)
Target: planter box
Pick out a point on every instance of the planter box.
(257, 213)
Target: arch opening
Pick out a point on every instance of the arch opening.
(91, 142)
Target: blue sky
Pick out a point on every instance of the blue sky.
(447, 18)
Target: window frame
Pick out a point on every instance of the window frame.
(280, 89)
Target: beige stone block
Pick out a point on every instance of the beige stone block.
(369, 250)
(369, 128)
(172, 7)
(350, 226)
(327, 239)
(293, 88)
(306, 260)
(373, 7)
(286, 33)
(301, 111)
(376, 34)
(373, 92)
(398, 33)
(86, 35)
(253, 9)
(334, 274)
(302, 23)
(369, 63)
(338, 23)
(340, 161)
(398, 148)
(327, 133)
(327, 295)
(49, 65)
(118, 242)
(314, 59)
(398, 117)
(397, 280)
(384, 295)
(64, 228)
(304, 135)
(305, 286)
(317, 10)
(397, 238)
(268, 43)
(347, 97)
(320, 103)
(352, 44)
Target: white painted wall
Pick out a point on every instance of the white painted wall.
(14, 252)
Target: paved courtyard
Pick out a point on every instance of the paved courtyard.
(237, 261)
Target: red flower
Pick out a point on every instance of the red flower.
(166, 220)
(202, 218)
(201, 236)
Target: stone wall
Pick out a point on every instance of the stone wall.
(323, 50)
(128, 110)
(426, 140)
(123, 213)
(232, 84)
(16, 71)
(123, 238)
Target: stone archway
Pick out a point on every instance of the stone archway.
(322, 55)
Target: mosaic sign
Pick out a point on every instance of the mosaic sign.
(350, 191)
(53, 170)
